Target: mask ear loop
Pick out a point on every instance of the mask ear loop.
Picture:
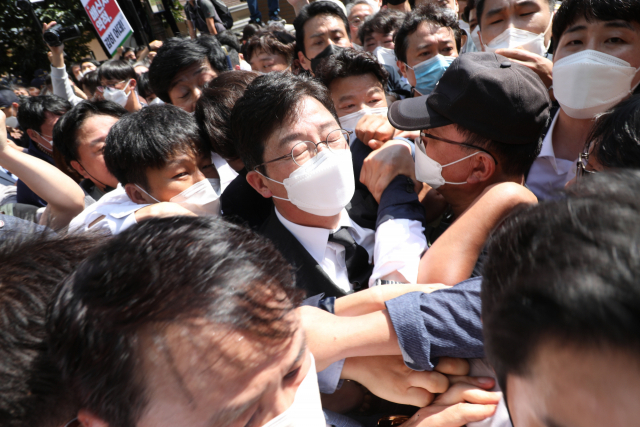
(458, 161)
(140, 188)
(277, 182)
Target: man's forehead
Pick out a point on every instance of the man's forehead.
(322, 24)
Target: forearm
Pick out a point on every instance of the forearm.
(332, 338)
(452, 257)
(44, 179)
(61, 85)
(211, 25)
(373, 299)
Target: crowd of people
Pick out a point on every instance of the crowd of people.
(399, 213)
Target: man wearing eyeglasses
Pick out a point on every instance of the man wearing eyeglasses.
(481, 127)
(357, 12)
(289, 139)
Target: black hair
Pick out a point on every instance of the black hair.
(88, 59)
(91, 81)
(350, 62)
(144, 86)
(480, 8)
(310, 11)
(269, 103)
(565, 270)
(616, 136)
(593, 10)
(228, 38)
(471, 4)
(174, 56)
(32, 392)
(192, 272)
(249, 30)
(65, 132)
(514, 159)
(435, 16)
(31, 113)
(386, 21)
(213, 110)
(148, 139)
(215, 54)
(272, 43)
(117, 69)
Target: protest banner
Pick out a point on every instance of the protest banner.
(109, 21)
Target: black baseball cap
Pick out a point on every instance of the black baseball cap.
(486, 94)
(7, 98)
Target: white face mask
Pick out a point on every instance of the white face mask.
(475, 37)
(306, 409)
(12, 122)
(588, 83)
(119, 96)
(513, 38)
(350, 121)
(202, 198)
(464, 26)
(324, 185)
(429, 171)
(386, 56)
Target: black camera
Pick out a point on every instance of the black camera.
(58, 34)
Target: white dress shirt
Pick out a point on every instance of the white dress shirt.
(226, 172)
(548, 174)
(397, 245)
(117, 210)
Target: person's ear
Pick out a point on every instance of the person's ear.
(88, 419)
(78, 168)
(259, 183)
(15, 106)
(463, 40)
(136, 195)
(484, 168)
(402, 67)
(32, 134)
(132, 84)
(304, 62)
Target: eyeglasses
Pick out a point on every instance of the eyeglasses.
(581, 166)
(424, 134)
(303, 151)
(101, 88)
(357, 21)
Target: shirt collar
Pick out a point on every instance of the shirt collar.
(314, 239)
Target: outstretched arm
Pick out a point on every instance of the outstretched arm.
(64, 196)
(451, 258)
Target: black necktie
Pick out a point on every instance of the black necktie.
(356, 258)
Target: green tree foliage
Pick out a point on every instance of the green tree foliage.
(22, 50)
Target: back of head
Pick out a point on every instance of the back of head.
(213, 110)
(31, 114)
(91, 81)
(174, 55)
(191, 273)
(65, 131)
(216, 56)
(310, 11)
(615, 137)
(229, 39)
(565, 270)
(436, 17)
(348, 63)
(150, 138)
(270, 102)
(32, 393)
(117, 69)
(144, 87)
(386, 21)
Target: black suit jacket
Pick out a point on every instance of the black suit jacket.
(309, 274)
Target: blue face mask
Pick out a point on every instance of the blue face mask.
(428, 72)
